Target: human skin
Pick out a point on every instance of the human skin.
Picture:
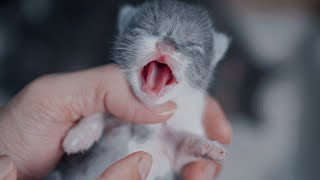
(34, 123)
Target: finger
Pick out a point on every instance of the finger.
(201, 170)
(133, 167)
(8, 170)
(216, 125)
(100, 89)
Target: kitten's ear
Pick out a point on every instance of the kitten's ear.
(220, 46)
(125, 15)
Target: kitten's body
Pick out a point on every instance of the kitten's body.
(128, 138)
(155, 39)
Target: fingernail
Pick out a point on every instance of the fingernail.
(210, 171)
(164, 109)
(6, 166)
(144, 165)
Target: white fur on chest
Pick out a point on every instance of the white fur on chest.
(188, 117)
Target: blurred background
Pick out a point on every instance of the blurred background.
(268, 84)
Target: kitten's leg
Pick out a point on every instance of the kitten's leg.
(192, 148)
(82, 136)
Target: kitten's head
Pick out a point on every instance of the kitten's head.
(167, 49)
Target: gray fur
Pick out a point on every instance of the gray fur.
(188, 26)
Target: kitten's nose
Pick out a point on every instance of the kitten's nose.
(166, 47)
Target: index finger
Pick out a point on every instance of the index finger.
(216, 125)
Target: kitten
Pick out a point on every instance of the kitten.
(168, 50)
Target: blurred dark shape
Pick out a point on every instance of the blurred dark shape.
(54, 36)
(4, 2)
(309, 160)
(236, 91)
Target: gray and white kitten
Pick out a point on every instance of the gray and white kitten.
(168, 50)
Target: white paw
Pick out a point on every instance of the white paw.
(81, 137)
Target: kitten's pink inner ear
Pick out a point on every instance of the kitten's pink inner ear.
(156, 76)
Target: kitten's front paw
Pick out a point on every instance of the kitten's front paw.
(81, 137)
(77, 141)
(200, 147)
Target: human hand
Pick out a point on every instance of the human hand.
(34, 123)
(133, 167)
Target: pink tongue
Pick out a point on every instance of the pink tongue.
(156, 76)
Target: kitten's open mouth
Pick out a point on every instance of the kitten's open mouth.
(156, 77)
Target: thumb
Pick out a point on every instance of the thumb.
(133, 167)
(100, 89)
(8, 170)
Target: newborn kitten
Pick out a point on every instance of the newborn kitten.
(168, 50)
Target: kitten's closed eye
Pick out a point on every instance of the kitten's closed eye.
(196, 48)
(144, 32)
